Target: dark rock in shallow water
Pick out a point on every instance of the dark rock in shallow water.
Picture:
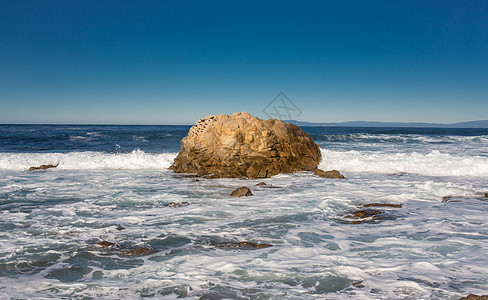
(42, 167)
(261, 183)
(446, 199)
(452, 198)
(106, 244)
(365, 216)
(241, 192)
(178, 204)
(371, 215)
(486, 195)
(115, 248)
(474, 297)
(399, 174)
(257, 246)
(243, 244)
(139, 251)
(241, 145)
(382, 205)
(364, 213)
(328, 174)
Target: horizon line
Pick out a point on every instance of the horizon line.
(289, 120)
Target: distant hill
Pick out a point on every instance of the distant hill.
(471, 124)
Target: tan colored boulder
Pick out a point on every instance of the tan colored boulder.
(328, 174)
(241, 145)
(42, 167)
(241, 192)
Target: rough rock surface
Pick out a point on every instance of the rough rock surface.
(241, 145)
(241, 192)
(328, 174)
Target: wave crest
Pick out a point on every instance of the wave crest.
(434, 163)
(135, 160)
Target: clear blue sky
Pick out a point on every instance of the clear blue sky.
(173, 62)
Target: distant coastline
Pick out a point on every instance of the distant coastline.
(470, 124)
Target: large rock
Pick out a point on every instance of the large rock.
(244, 146)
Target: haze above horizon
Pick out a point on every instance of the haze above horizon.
(173, 62)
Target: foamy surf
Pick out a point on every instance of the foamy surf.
(434, 163)
(88, 160)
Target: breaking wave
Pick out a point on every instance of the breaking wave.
(434, 163)
(135, 160)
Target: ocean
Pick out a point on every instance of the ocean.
(112, 185)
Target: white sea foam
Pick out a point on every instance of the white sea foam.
(420, 254)
(136, 159)
(434, 163)
(404, 138)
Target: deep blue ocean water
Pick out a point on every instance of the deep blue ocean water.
(112, 184)
(166, 138)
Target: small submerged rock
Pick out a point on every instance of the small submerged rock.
(261, 183)
(328, 174)
(139, 251)
(178, 204)
(399, 174)
(453, 198)
(446, 199)
(474, 297)
(257, 246)
(241, 192)
(115, 248)
(106, 244)
(242, 244)
(358, 284)
(364, 213)
(370, 215)
(42, 167)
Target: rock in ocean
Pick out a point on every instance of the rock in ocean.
(42, 167)
(328, 174)
(244, 146)
(241, 192)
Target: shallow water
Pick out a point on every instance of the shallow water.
(51, 220)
